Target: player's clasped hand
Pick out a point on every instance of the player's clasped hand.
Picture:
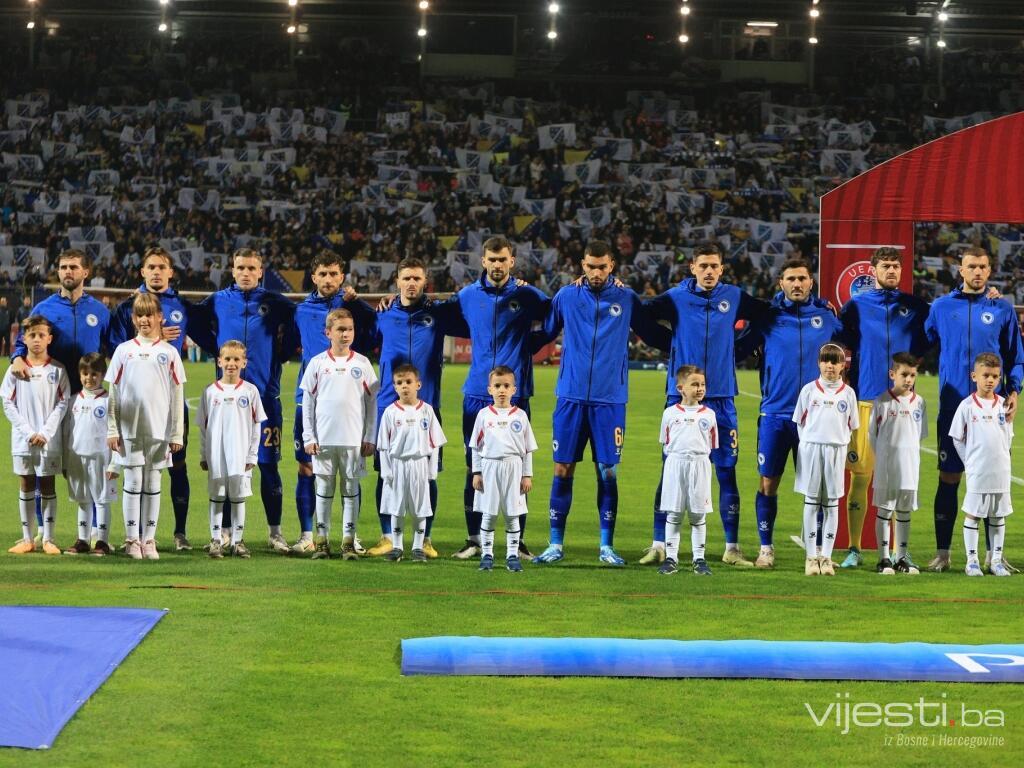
(526, 485)
(114, 443)
(313, 449)
(367, 449)
(478, 482)
(37, 440)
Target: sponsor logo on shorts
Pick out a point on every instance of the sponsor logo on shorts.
(760, 459)
(243, 402)
(177, 316)
(987, 318)
(853, 457)
(357, 373)
(516, 426)
(816, 322)
(942, 455)
(554, 445)
(162, 358)
(615, 310)
(263, 310)
(724, 306)
(855, 279)
(100, 412)
(91, 320)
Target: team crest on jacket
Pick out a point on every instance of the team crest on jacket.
(91, 320)
(903, 311)
(513, 306)
(263, 310)
(855, 279)
(723, 306)
(816, 322)
(427, 321)
(615, 310)
(987, 318)
(243, 402)
(176, 316)
(162, 358)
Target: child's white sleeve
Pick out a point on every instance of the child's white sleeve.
(113, 411)
(475, 443)
(370, 406)
(531, 446)
(800, 412)
(873, 424)
(55, 420)
(924, 419)
(663, 436)
(958, 431)
(853, 420)
(201, 418)
(8, 391)
(258, 417)
(437, 439)
(177, 426)
(384, 446)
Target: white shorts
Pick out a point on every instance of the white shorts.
(686, 484)
(987, 504)
(820, 471)
(232, 488)
(144, 452)
(501, 494)
(38, 463)
(886, 498)
(341, 460)
(87, 480)
(408, 491)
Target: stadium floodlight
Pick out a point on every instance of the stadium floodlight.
(162, 27)
(684, 38)
(30, 25)
(164, 2)
(554, 8)
(943, 16)
(424, 5)
(815, 13)
(291, 29)
(684, 10)
(552, 34)
(421, 32)
(941, 43)
(812, 40)
(292, 3)
(770, 24)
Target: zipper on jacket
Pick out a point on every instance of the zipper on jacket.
(593, 343)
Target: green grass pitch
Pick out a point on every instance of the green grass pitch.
(279, 661)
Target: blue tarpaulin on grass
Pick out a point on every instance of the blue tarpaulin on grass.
(786, 660)
(52, 659)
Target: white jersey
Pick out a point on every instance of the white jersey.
(897, 427)
(229, 419)
(689, 430)
(147, 402)
(826, 413)
(339, 401)
(409, 432)
(37, 406)
(500, 433)
(982, 436)
(85, 427)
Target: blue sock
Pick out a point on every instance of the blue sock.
(473, 519)
(945, 513)
(561, 502)
(305, 501)
(819, 520)
(271, 491)
(767, 509)
(385, 520)
(659, 517)
(180, 493)
(729, 503)
(607, 504)
(988, 537)
(433, 508)
(39, 507)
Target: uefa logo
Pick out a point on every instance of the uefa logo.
(854, 280)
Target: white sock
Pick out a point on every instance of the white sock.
(672, 521)
(237, 521)
(882, 517)
(350, 515)
(811, 526)
(216, 507)
(971, 538)
(84, 521)
(324, 501)
(487, 534)
(131, 506)
(421, 533)
(698, 534)
(150, 503)
(27, 510)
(102, 530)
(49, 517)
(997, 534)
(829, 526)
(512, 535)
(902, 533)
(397, 540)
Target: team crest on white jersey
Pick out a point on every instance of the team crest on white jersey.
(841, 406)
(100, 412)
(724, 306)
(704, 425)
(51, 377)
(615, 310)
(1002, 418)
(987, 318)
(816, 322)
(424, 423)
(176, 316)
(917, 415)
(516, 426)
(91, 320)
(243, 402)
